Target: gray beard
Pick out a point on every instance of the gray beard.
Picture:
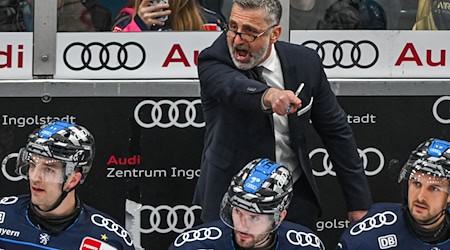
(254, 60)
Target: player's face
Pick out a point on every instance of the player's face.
(46, 178)
(245, 54)
(427, 197)
(250, 228)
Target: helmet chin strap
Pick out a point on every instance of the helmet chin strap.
(433, 219)
(263, 242)
(429, 235)
(59, 200)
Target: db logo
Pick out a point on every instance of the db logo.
(5, 167)
(439, 105)
(377, 157)
(387, 241)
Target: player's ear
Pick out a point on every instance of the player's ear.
(283, 215)
(73, 179)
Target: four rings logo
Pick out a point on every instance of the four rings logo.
(9, 200)
(5, 167)
(111, 226)
(376, 221)
(304, 239)
(209, 233)
(447, 109)
(346, 54)
(111, 56)
(162, 219)
(328, 166)
(166, 113)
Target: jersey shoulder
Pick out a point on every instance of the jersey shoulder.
(293, 236)
(14, 203)
(382, 226)
(104, 225)
(213, 235)
(379, 216)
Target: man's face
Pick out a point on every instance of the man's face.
(46, 178)
(247, 55)
(427, 197)
(250, 228)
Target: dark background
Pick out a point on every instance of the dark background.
(398, 125)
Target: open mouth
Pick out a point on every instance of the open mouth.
(420, 207)
(242, 54)
(37, 190)
(243, 236)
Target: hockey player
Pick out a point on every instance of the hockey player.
(422, 221)
(56, 159)
(252, 213)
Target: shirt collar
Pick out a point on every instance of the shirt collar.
(270, 62)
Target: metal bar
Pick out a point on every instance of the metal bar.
(191, 88)
(284, 22)
(44, 38)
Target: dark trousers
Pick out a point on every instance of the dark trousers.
(303, 209)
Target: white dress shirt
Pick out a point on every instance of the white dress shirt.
(273, 74)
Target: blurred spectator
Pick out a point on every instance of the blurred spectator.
(163, 15)
(433, 15)
(373, 15)
(83, 15)
(342, 15)
(12, 15)
(73, 15)
(114, 6)
(354, 14)
(216, 6)
(393, 10)
(305, 14)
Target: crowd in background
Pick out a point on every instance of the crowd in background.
(145, 15)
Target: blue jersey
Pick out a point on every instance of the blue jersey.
(92, 230)
(216, 235)
(384, 227)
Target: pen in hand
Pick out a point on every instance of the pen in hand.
(297, 93)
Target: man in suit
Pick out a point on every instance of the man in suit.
(250, 116)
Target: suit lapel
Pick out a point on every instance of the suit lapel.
(291, 82)
(289, 71)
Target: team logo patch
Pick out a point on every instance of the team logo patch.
(44, 238)
(94, 244)
(378, 220)
(387, 241)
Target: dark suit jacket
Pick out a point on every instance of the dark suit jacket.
(238, 131)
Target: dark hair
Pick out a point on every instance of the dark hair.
(272, 7)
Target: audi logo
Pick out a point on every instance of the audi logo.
(9, 200)
(435, 110)
(376, 221)
(96, 56)
(172, 117)
(304, 239)
(171, 218)
(209, 233)
(328, 166)
(111, 226)
(5, 167)
(345, 54)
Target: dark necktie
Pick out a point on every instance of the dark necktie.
(256, 74)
